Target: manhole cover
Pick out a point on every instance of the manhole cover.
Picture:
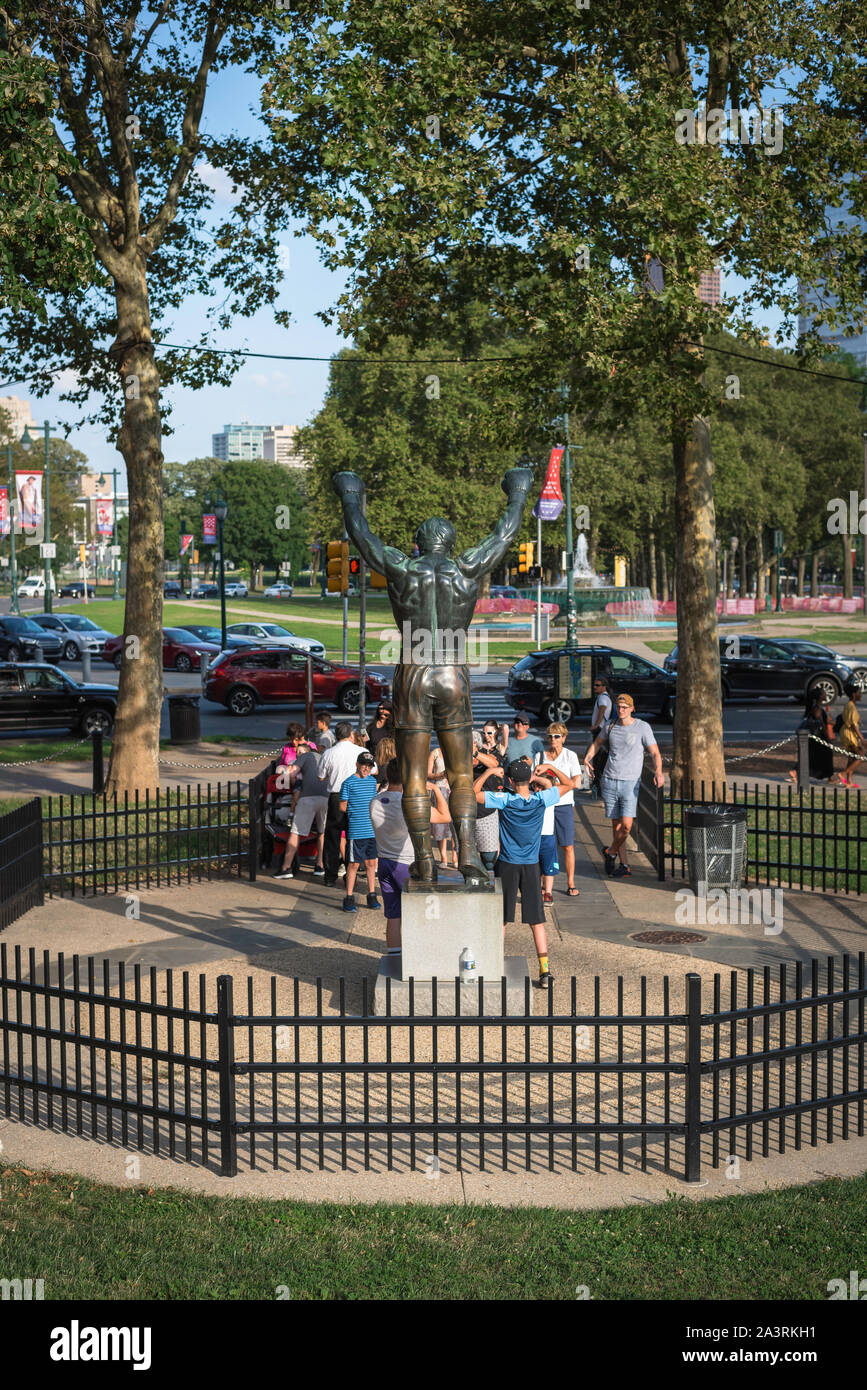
(667, 938)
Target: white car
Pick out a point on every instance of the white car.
(279, 590)
(272, 635)
(34, 587)
(236, 589)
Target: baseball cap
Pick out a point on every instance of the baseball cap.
(624, 699)
(521, 719)
(519, 771)
(365, 758)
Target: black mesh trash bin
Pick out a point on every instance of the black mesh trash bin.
(716, 837)
(184, 722)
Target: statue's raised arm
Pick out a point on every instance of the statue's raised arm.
(489, 552)
(350, 489)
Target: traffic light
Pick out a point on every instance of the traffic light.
(82, 554)
(355, 565)
(525, 557)
(535, 573)
(337, 566)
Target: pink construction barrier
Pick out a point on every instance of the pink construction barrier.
(502, 604)
(823, 603)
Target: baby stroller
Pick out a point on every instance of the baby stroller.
(277, 824)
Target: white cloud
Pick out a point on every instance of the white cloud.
(218, 180)
(67, 380)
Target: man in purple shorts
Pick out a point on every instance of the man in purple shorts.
(394, 846)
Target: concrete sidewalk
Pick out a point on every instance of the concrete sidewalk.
(296, 929)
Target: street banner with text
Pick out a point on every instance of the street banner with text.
(550, 503)
(209, 529)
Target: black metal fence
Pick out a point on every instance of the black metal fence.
(78, 845)
(612, 1074)
(21, 885)
(813, 838)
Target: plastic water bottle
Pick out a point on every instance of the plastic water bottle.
(467, 965)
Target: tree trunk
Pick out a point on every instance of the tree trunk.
(774, 578)
(760, 569)
(848, 542)
(663, 561)
(652, 556)
(730, 574)
(135, 749)
(802, 569)
(698, 731)
(592, 546)
(814, 573)
(742, 552)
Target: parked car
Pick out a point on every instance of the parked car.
(857, 664)
(279, 590)
(48, 645)
(236, 589)
(42, 697)
(277, 676)
(19, 639)
(181, 650)
(532, 684)
(273, 635)
(34, 586)
(752, 667)
(75, 589)
(173, 589)
(76, 634)
(207, 591)
(205, 633)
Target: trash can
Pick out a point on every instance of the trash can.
(716, 837)
(184, 721)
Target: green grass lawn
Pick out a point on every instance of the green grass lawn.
(93, 1242)
(10, 802)
(664, 646)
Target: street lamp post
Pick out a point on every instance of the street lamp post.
(11, 505)
(571, 630)
(114, 559)
(26, 445)
(221, 511)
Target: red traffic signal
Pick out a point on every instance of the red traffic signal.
(354, 565)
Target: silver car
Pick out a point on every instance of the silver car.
(77, 634)
(273, 635)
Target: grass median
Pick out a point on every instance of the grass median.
(89, 1241)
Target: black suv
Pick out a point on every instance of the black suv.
(752, 666)
(172, 589)
(533, 684)
(42, 697)
(23, 640)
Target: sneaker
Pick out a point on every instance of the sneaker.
(349, 903)
(330, 882)
(341, 872)
(373, 900)
(547, 897)
(285, 873)
(319, 872)
(546, 979)
(610, 862)
(622, 871)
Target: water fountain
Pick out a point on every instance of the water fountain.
(597, 603)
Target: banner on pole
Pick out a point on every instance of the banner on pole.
(30, 517)
(186, 542)
(550, 503)
(209, 529)
(104, 517)
(4, 511)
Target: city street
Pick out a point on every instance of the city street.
(756, 720)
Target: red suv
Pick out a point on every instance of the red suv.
(182, 650)
(277, 676)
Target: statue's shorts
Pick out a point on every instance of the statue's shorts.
(431, 697)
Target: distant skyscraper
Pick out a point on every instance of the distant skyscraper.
(709, 288)
(19, 414)
(818, 297)
(242, 441)
(279, 446)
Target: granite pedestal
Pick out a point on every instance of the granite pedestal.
(439, 920)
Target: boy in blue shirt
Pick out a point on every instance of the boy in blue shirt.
(521, 816)
(356, 795)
